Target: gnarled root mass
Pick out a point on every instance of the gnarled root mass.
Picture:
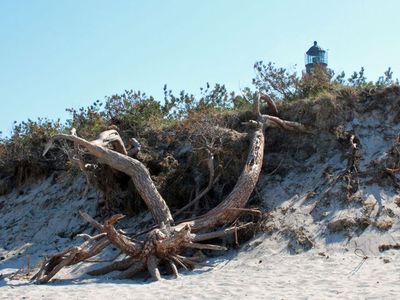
(168, 241)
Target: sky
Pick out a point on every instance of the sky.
(68, 53)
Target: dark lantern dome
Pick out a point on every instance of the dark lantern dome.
(315, 50)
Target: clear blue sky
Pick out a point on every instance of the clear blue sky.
(59, 54)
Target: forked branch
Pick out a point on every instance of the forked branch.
(167, 242)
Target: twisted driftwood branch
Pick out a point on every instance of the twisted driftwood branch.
(167, 241)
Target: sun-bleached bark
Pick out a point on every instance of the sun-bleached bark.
(168, 240)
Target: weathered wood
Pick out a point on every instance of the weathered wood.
(220, 233)
(174, 269)
(59, 266)
(130, 166)
(240, 193)
(152, 263)
(71, 256)
(166, 241)
(111, 137)
(205, 246)
(225, 213)
(135, 268)
(121, 241)
(115, 266)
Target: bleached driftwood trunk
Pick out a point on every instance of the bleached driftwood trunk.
(168, 241)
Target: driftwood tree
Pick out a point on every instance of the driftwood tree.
(168, 241)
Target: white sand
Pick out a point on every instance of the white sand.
(304, 276)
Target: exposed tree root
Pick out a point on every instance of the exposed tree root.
(131, 271)
(115, 266)
(71, 256)
(167, 241)
(174, 269)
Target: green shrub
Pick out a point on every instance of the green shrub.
(21, 154)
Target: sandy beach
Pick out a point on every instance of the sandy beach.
(247, 275)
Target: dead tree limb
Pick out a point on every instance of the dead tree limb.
(167, 241)
(128, 165)
(115, 266)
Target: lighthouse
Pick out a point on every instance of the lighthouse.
(315, 56)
